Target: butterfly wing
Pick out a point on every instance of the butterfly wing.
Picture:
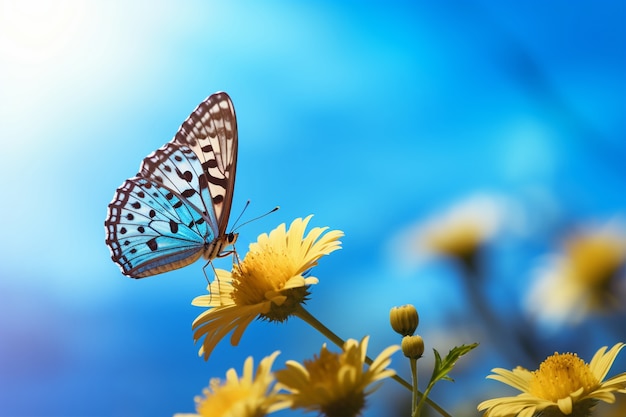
(177, 169)
(211, 133)
(150, 230)
(177, 208)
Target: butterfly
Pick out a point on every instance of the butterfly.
(176, 209)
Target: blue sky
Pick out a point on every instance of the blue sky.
(369, 115)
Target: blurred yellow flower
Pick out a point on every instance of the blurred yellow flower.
(248, 396)
(335, 384)
(457, 232)
(564, 385)
(270, 282)
(458, 239)
(582, 278)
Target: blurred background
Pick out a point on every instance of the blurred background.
(387, 120)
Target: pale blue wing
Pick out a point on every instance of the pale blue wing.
(148, 232)
(177, 168)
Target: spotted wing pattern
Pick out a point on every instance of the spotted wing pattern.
(176, 209)
(211, 133)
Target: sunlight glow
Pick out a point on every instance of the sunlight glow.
(34, 31)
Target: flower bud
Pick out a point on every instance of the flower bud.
(404, 319)
(413, 346)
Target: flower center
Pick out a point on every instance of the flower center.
(259, 273)
(459, 240)
(344, 401)
(596, 259)
(560, 375)
(323, 367)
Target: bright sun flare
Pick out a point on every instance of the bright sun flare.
(33, 31)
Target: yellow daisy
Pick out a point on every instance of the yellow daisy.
(248, 396)
(335, 384)
(458, 232)
(583, 278)
(464, 228)
(270, 282)
(564, 385)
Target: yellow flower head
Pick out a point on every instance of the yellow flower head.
(248, 396)
(582, 278)
(269, 283)
(594, 259)
(564, 385)
(461, 230)
(335, 384)
(458, 232)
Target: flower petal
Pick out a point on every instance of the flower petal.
(601, 362)
(517, 378)
(565, 405)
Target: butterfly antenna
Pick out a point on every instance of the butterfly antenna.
(256, 218)
(240, 214)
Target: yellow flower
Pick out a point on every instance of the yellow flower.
(582, 278)
(270, 283)
(564, 385)
(457, 232)
(335, 384)
(464, 228)
(248, 396)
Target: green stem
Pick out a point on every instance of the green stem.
(415, 391)
(418, 411)
(508, 340)
(317, 325)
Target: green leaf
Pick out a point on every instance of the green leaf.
(443, 367)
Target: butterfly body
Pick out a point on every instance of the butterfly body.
(176, 209)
